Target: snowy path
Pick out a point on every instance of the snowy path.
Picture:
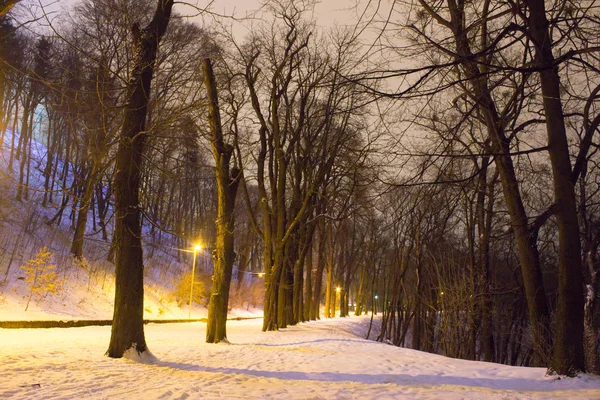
(318, 360)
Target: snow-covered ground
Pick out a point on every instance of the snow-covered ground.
(327, 359)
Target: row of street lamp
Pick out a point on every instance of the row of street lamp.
(197, 248)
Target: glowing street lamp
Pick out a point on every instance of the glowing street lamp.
(197, 248)
(261, 274)
(375, 305)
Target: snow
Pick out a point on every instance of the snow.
(325, 359)
(145, 357)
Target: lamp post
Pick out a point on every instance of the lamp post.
(375, 305)
(196, 249)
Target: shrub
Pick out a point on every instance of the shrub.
(201, 289)
(40, 276)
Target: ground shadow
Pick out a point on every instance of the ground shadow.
(510, 383)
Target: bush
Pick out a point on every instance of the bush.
(40, 276)
(201, 289)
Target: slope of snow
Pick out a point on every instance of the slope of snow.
(327, 359)
(85, 291)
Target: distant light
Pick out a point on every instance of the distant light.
(376, 297)
(338, 289)
(441, 293)
(197, 247)
(261, 274)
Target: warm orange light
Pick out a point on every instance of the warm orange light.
(197, 248)
(261, 274)
(338, 289)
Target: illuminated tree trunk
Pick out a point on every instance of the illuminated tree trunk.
(227, 184)
(128, 324)
(308, 298)
(6, 5)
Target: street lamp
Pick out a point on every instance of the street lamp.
(197, 248)
(375, 305)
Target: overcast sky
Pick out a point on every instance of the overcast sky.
(327, 13)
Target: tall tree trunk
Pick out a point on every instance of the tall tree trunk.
(102, 204)
(55, 170)
(298, 300)
(568, 347)
(82, 215)
(28, 165)
(227, 184)
(128, 324)
(49, 157)
(4, 112)
(592, 312)
(526, 241)
(308, 296)
(316, 307)
(473, 305)
(361, 289)
(591, 242)
(277, 298)
(329, 292)
(284, 286)
(12, 156)
(484, 216)
(22, 148)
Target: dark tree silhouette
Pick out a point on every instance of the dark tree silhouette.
(128, 323)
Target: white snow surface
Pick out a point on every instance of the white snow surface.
(327, 359)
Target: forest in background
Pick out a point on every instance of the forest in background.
(433, 161)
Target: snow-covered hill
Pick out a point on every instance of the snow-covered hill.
(82, 290)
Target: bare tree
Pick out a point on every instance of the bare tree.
(128, 325)
(227, 184)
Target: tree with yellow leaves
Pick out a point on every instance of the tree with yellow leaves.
(40, 275)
